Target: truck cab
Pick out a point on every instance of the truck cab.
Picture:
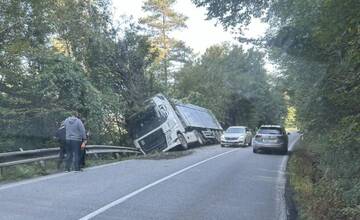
(163, 125)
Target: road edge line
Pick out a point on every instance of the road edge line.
(281, 184)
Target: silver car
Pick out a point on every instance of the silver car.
(271, 137)
(236, 136)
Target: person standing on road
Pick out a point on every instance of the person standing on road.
(60, 136)
(75, 141)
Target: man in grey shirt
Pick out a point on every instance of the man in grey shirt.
(75, 140)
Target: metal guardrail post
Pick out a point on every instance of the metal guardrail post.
(42, 164)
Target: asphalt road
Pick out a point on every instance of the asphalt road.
(210, 183)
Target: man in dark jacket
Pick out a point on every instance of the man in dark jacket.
(75, 140)
(83, 151)
(60, 136)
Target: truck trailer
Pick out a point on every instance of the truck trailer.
(164, 124)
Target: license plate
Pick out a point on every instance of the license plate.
(270, 141)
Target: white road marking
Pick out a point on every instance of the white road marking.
(130, 195)
(53, 176)
(281, 182)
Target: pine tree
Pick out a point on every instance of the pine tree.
(161, 21)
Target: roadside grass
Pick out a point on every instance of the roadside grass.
(318, 193)
(36, 169)
(26, 171)
(300, 172)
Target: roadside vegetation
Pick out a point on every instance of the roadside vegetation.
(63, 56)
(43, 168)
(233, 83)
(316, 46)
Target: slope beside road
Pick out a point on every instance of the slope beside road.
(210, 183)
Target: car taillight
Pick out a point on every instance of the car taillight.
(258, 137)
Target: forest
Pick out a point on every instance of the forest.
(63, 56)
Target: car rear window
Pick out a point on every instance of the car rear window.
(269, 131)
(235, 130)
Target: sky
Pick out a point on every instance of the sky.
(200, 33)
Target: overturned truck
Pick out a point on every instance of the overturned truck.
(164, 124)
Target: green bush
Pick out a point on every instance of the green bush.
(325, 173)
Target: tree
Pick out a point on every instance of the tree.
(161, 21)
(316, 44)
(234, 13)
(131, 60)
(233, 84)
(57, 57)
(49, 90)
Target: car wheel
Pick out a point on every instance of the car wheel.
(183, 143)
(255, 150)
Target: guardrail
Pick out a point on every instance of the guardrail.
(40, 155)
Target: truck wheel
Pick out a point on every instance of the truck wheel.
(200, 138)
(183, 143)
(217, 137)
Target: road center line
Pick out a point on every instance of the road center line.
(130, 195)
